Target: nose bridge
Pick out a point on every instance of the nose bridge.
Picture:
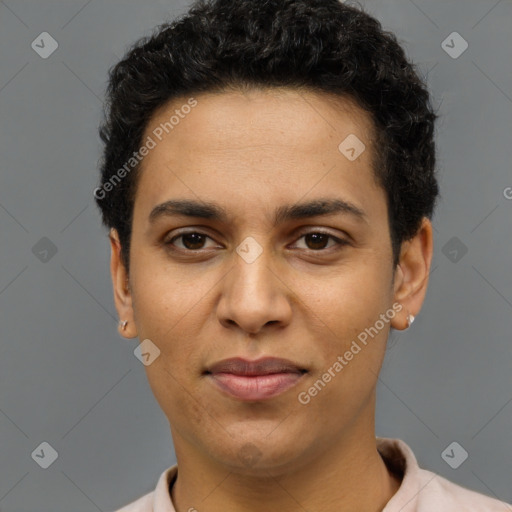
(251, 279)
(252, 294)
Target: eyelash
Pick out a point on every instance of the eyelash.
(339, 241)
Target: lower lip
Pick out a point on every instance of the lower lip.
(258, 387)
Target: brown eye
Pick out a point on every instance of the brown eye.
(318, 240)
(192, 241)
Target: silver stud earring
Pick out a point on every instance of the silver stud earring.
(410, 320)
(123, 324)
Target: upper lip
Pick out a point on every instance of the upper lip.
(263, 366)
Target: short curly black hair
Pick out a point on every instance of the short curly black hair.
(318, 45)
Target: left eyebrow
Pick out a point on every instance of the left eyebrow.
(213, 211)
(318, 207)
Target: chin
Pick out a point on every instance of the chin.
(257, 453)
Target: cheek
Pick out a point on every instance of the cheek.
(181, 403)
(350, 298)
(344, 320)
(165, 300)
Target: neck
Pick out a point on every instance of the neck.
(349, 475)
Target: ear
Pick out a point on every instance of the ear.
(122, 293)
(412, 273)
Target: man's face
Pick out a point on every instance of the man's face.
(305, 297)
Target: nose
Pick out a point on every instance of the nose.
(254, 295)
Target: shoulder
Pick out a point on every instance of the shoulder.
(158, 500)
(443, 495)
(424, 491)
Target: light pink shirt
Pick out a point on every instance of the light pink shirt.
(420, 490)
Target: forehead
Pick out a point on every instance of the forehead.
(257, 145)
(242, 120)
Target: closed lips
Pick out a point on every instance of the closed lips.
(246, 368)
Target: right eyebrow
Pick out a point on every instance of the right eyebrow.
(213, 211)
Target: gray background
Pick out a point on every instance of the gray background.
(67, 378)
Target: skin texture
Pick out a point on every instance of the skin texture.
(301, 299)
